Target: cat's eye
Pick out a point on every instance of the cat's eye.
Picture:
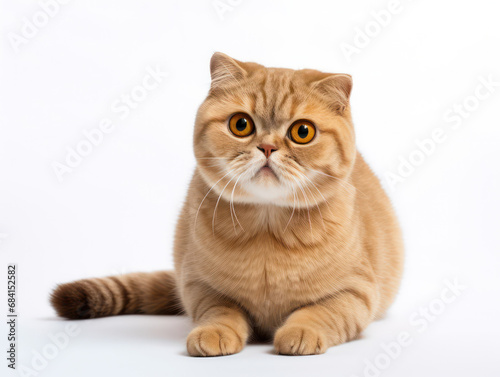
(241, 124)
(302, 131)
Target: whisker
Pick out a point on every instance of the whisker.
(319, 192)
(315, 201)
(340, 180)
(231, 203)
(211, 188)
(231, 206)
(210, 165)
(217, 204)
(293, 210)
(307, 202)
(211, 158)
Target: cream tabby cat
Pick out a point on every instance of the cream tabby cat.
(285, 232)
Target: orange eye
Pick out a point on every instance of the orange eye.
(302, 131)
(241, 124)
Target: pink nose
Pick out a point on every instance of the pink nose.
(267, 149)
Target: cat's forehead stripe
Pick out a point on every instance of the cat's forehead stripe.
(274, 99)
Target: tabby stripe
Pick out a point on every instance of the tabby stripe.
(135, 297)
(253, 98)
(124, 294)
(337, 139)
(237, 333)
(112, 306)
(198, 317)
(364, 298)
(99, 299)
(348, 329)
(263, 92)
(283, 100)
(213, 120)
(293, 108)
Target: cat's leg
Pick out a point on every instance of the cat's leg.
(222, 326)
(313, 329)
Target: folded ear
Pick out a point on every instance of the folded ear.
(337, 87)
(224, 69)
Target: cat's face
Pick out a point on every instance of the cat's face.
(274, 136)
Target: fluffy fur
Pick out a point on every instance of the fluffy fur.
(307, 252)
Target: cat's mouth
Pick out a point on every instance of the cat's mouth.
(267, 171)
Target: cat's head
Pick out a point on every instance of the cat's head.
(272, 135)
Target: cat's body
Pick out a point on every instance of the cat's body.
(270, 272)
(300, 243)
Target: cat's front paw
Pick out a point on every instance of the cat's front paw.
(214, 340)
(299, 340)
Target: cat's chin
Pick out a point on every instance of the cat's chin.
(265, 188)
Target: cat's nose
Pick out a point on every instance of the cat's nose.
(267, 149)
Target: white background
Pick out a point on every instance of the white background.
(116, 211)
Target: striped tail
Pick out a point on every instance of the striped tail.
(135, 293)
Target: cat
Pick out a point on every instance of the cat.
(285, 232)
